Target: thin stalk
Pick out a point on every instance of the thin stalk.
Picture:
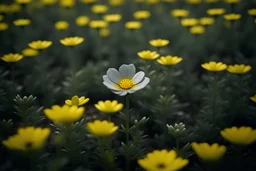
(177, 144)
(12, 72)
(214, 86)
(127, 130)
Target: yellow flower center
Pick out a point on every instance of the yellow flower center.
(126, 83)
(28, 144)
(161, 166)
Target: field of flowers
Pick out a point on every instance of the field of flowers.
(127, 85)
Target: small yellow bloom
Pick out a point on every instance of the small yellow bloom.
(48, 2)
(216, 11)
(232, 17)
(189, 22)
(67, 3)
(194, 1)
(159, 42)
(40, 45)
(101, 128)
(205, 21)
(99, 9)
(12, 57)
(253, 98)
(239, 136)
(77, 101)
(30, 52)
(133, 25)
(214, 66)
(116, 3)
(82, 20)
(197, 30)
(142, 14)
(3, 26)
(23, 1)
(232, 1)
(209, 153)
(1, 17)
(71, 41)
(111, 18)
(65, 114)
(147, 54)
(169, 60)
(21, 22)
(104, 32)
(61, 25)
(162, 160)
(98, 24)
(28, 139)
(88, 1)
(211, 1)
(239, 69)
(180, 13)
(109, 107)
(252, 12)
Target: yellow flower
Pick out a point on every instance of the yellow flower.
(239, 136)
(216, 11)
(12, 57)
(194, 1)
(169, 60)
(82, 20)
(133, 25)
(111, 18)
(14, 8)
(109, 106)
(21, 22)
(88, 1)
(142, 14)
(48, 2)
(67, 3)
(71, 41)
(162, 161)
(213, 66)
(61, 25)
(28, 139)
(180, 13)
(253, 98)
(232, 1)
(197, 30)
(147, 54)
(101, 128)
(189, 22)
(205, 21)
(30, 52)
(207, 152)
(104, 32)
(211, 1)
(239, 69)
(98, 24)
(78, 101)
(40, 45)
(99, 9)
(1, 17)
(23, 1)
(232, 17)
(3, 26)
(4, 8)
(159, 42)
(252, 12)
(116, 2)
(65, 114)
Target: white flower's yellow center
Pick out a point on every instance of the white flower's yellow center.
(126, 83)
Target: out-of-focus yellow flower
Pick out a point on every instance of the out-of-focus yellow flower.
(65, 114)
(12, 57)
(14, 8)
(215, 11)
(3, 26)
(159, 42)
(48, 2)
(214, 66)
(239, 136)
(162, 160)
(180, 13)
(205, 21)
(189, 22)
(209, 153)
(239, 69)
(28, 139)
(23, 1)
(61, 25)
(169, 60)
(252, 12)
(22, 22)
(88, 1)
(232, 17)
(101, 128)
(197, 30)
(232, 1)
(194, 1)
(253, 98)
(116, 2)
(1, 17)
(77, 101)
(169, 1)
(30, 52)
(109, 107)
(133, 25)
(142, 14)
(98, 24)
(211, 1)
(71, 41)
(4, 8)
(67, 3)
(40, 45)
(111, 18)
(151, 2)
(147, 54)
(82, 20)
(99, 9)
(104, 32)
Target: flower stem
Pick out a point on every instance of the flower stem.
(12, 73)
(177, 144)
(214, 86)
(127, 130)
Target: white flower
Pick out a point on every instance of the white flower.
(125, 80)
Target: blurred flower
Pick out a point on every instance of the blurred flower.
(1, 17)
(21, 22)
(99, 9)
(14, 8)
(205, 21)
(142, 14)
(104, 32)
(98, 24)
(4, 8)
(215, 11)
(239, 136)
(194, 1)
(253, 98)
(101, 128)
(162, 160)
(65, 114)
(88, 1)
(28, 139)
(12, 57)
(209, 153)
(197, 30)
(152, 1)
(30, 52)
(126, 80)
(211, 1)
(214, 66)
(3, 26)
(133, 25)
(232, 17)
(40, 45)
(239, 69)
(180, 13)
(116, 2)
(61, 25)
(232, 1)
(72, 41)
(82, 20)
(23, 1)
(189, 22)
(77, 101)
(169, 60)
(109, 107)
(252, 12)
(147, 54)
(159, 42)
(67, 3)
(111, 18)
(48, 2)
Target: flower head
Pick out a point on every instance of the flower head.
(98, 24)
(99, 9)
(239, 136)
(116, 2)
(61, 25)
(159, 42)
(65, 114)
(205, 21)
(82, 20)
(214, 66)
(232, 17)
(142, 14)
(133, 25)
(104, 32)
(27, 139)
(239, 69)
(194, 1)
(111, 18)
(71, 41)
(253, 98)
(30, 52)
(162, 161)
(189, 22)
(3, 26)
(180, 13)
(197, 29)
(40, 45)
(21, 22)
(109, 107)
(12, 57)
(101, 128)
(147, 54)
(216, 11)
(232, 1)
(23, 1)
(252, 12)
(67, 3)
(126, 80)
(77, 101)
(169, 60)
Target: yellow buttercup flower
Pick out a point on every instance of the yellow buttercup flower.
(180, 13)
(3, 26)
(82, 20)
(142, 14)
(65, 114)
(12, 57)
(133, 25)
(147, 54)
(205, 21)
(72, 41)
(162, 160)
(99, 9)
(23, 1)
(189, 22)
(116, 2)
(98, 24)
(77, 101)
(232, 17)
(101, 128)
(209, 153)
(48, 2)
(239, 136)
(169, 60)
(252, 12)
(239, 69)
(109, 107)
(30, 52)
(211, 1)
(253, 98)
(61, 25)
(21, 22)
(111, 18)
(40, 45)
(67, 3)
(197, 30)
(214, 66)
(159, 42)
(28, 139)
(88, 1)
(216, 11)
(194, 1)
(232, 1)
(104, 32)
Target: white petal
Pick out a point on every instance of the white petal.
(113, 75)
(107, 82)
(120, 92)
(127, 71)
(142, 84)
(138, 77)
